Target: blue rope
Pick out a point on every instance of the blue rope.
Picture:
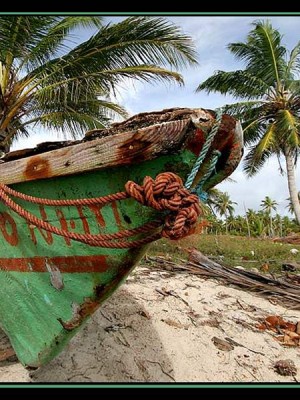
(203, 196)
(202, 155)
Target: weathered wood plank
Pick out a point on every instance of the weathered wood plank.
(116, 150)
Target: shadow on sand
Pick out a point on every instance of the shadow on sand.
(118, 344)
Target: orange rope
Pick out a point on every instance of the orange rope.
(76, 202)
(165, 193)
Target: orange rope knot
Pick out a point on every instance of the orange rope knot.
(166, 192)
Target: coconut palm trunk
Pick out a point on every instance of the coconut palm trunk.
(291, 178)
(271, 233)
(268, 94)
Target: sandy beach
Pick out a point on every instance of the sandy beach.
(166, 327)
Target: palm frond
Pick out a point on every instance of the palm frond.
(43, 83)
(293, 65)
(268, 141)
(286, 121)
(240, 84)
(253, 163)
(241, 108)
(288, 125)
(294, 85)
(54, 38)
(130, 43)
(253, 130)
(99, 110)
(263, 53)
(19, 34)
(79, 86)
(261, 152)
(70, 122)
(252, 116)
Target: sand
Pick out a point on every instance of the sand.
(165, 327)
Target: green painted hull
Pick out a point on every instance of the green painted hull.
(44, 308)
(50, 285)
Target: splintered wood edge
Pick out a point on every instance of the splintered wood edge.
(111, 151)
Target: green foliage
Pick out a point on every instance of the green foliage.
(290, 204)
(253, 224)
(220, 203)
(237, 239)
(262, 223)
(269, 89)
(230, 250)
(45, 82)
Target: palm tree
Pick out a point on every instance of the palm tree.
(233, 224)
(212, 199)
(268, 205)
(223, 205)
(290, 204)
(44, 83)
(215, 225)
(250, 217)
(241, 225)
(289, 226)
(278, 225)
(270, 108)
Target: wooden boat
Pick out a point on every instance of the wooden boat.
(50, 283)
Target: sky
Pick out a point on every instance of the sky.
(211, 36)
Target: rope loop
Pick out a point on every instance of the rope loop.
(167, 193)
(208, 142)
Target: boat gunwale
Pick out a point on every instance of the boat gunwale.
(120, 149)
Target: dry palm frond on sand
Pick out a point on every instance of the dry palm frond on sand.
(276, 289)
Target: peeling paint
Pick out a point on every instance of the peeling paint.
(56, 278)
(47, 300)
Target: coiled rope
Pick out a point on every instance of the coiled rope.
(215, 156)
(166, 193)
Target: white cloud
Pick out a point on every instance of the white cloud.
(211, 35)
(251, 191)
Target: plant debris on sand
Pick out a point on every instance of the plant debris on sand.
(167, 324)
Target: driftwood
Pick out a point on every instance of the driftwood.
(290, 266)
(291, 239)
(280, 290)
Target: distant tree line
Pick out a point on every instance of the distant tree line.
(265, 222)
